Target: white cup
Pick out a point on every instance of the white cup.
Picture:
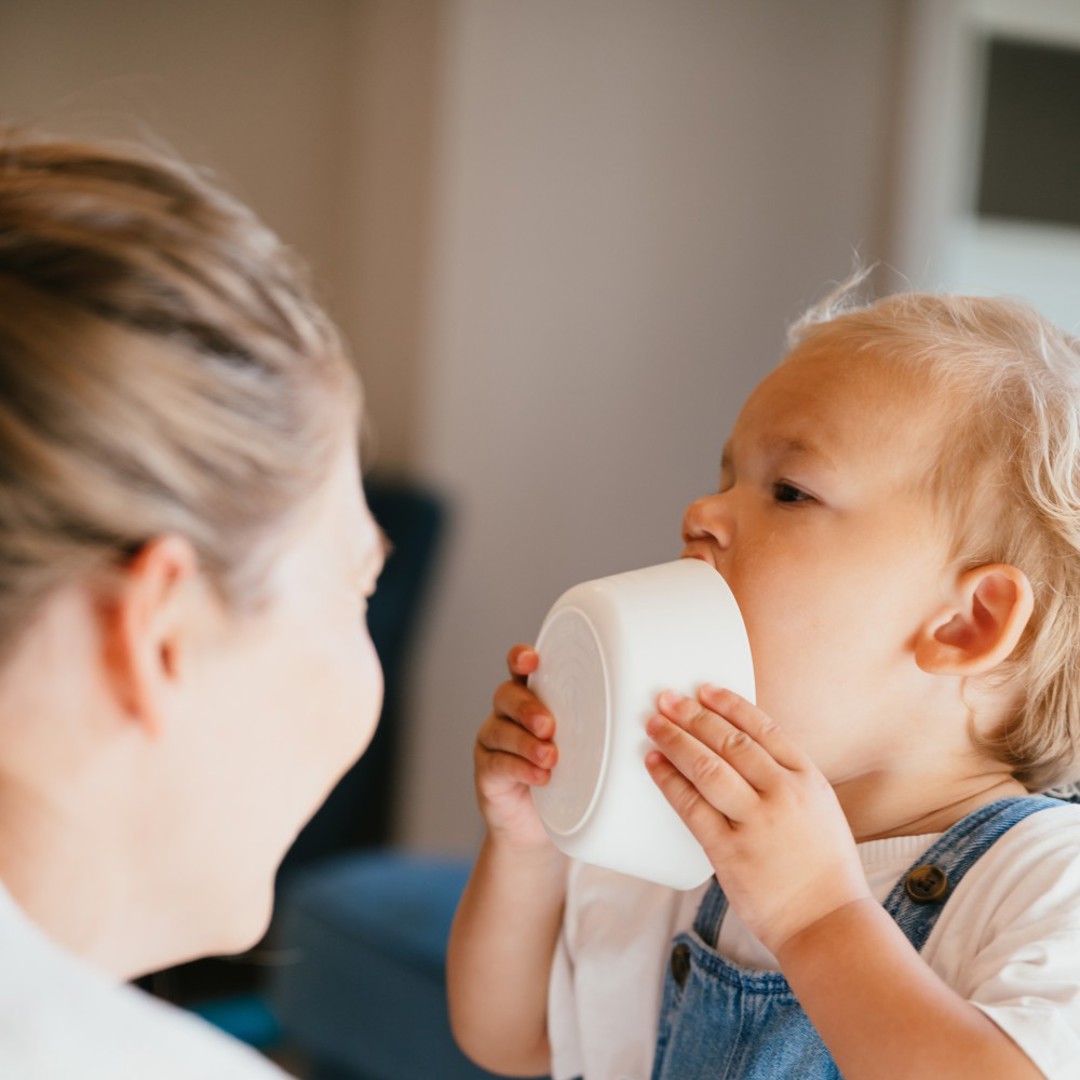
(607, 649)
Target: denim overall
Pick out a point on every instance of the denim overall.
(719, 1020)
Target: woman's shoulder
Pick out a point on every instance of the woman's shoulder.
(61, 1017)
(114, 1033)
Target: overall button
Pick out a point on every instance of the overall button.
(926, 883)
(680, 964)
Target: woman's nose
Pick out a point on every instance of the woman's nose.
(708, 518)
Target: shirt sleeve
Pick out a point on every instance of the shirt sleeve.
(1011, 943)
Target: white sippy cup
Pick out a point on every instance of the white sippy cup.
(607, 648)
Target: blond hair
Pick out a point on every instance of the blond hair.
(163, 369)
(1006, 478)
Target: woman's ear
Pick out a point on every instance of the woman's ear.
(983, 625)
(143, 627)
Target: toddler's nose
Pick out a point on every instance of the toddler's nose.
(708, 519)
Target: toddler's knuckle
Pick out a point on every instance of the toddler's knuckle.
(698, 723)
(707, 772)
(767, 726)
(734, 742)
(685, 802)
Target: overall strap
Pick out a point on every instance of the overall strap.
(918, 897)
(711, 913)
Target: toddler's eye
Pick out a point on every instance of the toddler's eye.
(783, 492)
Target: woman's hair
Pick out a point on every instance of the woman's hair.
(1006, 383)
(163, 370)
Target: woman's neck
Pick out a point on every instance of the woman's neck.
(70, 886)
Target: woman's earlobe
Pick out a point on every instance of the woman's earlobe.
(982, 627)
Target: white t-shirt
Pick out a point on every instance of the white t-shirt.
(61, 1019)
(1008, 940)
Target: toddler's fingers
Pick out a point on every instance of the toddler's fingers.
(685, 799)
(520, 704)
(508, 737)
(735, 745)
(757, 724)
(718, 783)
(497, 771)
(522, 661)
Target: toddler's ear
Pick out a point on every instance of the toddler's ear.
(982, 625)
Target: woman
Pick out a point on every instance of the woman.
(185, 554)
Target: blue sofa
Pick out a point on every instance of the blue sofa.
(363, 992)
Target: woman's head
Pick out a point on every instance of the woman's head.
(999, 399)
(162, 369)
(181, 520)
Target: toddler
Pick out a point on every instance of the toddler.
(898, 516)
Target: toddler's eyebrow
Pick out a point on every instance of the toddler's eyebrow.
(783, 447)
(799, 448)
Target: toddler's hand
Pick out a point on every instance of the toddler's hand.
(765, 815)
(514, 752)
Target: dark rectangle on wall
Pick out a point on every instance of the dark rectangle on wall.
(1030, 162)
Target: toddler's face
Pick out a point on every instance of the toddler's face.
(824, 530)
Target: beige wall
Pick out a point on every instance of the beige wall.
(393, 79)
(563, 235)
(250, 87)
(318, 112)
(632, 198)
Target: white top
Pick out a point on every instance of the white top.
(1008, 940)
(61, 1019)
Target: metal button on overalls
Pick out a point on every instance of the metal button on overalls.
(926, 883)
(680, 964)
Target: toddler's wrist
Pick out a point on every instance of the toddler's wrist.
(508, 844)
(816, 934)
